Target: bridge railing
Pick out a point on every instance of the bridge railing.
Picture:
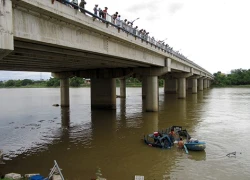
(122, 25)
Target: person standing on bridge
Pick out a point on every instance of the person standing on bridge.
(100, 13)
(82, 6)
(95, 9)
(105, 12)
(118, 20)
(75, 2)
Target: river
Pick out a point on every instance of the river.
(33, 134)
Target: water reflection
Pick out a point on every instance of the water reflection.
(150, 122)
(197, 155)
(103, 124)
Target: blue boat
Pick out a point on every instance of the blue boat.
(195, 145)
(191, 144)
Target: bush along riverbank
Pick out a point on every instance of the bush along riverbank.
(73, 82)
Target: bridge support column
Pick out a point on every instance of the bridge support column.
(6, 28)
(194, 86)
(170, 86)
(205, 84)
(152, 92)
(144, 87)
(182, 88)
(103, 93)
(208, 83)
(190, 83)
(200, 84)
(187, 84)
(64, 88)
(122, 87)
(182, 79)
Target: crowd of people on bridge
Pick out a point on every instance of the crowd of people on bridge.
(124, 25)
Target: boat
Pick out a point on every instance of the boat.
(157, 139)
(164, 140)
(195, 145)
(191, 144)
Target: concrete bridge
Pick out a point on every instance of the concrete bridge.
(43, 36)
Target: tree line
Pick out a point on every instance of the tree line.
(73, 82)
(236, 77)
(52, 82)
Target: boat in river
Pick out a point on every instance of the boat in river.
(195, 145)
(164, 139)
(191, 143)
(157, 139)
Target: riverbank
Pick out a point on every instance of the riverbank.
(233, 86)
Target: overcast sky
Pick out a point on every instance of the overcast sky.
(215, 34)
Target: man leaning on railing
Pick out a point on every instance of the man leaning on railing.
(75, 4)
(82, 6)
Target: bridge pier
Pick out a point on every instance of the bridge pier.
(64, 88)
(170, 86)
(123, 87)
(152, 94)
(187, 84)
(208, 83)
(182, 79)
(200, 84)
(144, 87)
(6, 28)
(194, 85)
(205, 84)
(103, 93)
(182, 88)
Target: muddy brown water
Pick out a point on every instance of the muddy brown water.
(33, 133)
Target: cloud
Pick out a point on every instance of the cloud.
(151, 6)
(174, 7)
(15, 75)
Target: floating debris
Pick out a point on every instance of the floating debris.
(232, 154)
(139, 177)
(13, 176)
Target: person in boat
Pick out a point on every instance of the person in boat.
(192, 140)
(172, 135)
(180, 144)
(157, 136)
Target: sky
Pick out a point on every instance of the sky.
(214, 34)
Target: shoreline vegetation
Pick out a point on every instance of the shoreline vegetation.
(237, 78)
(55, 83)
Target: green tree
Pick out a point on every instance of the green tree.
(1, 84)
(53, 82)
(18, 83)
(161, 82)
(10, 83)
(219, 79)
(26, 82)
(76, 81)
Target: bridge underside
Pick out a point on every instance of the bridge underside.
(30, 56)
